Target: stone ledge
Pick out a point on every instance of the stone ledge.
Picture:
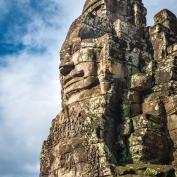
(145, 170)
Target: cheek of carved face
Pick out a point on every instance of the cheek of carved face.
(80, 73)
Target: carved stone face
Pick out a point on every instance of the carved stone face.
(80, 72)
(80, 57)
(86, 59)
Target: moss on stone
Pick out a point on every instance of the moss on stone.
(142, 170)
(150, 172)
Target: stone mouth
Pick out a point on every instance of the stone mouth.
(79, 84)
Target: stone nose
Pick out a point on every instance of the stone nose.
(66, 68)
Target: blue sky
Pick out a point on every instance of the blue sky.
(31, 33)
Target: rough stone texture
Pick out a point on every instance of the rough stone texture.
(119, 95)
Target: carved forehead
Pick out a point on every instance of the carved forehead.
(82, 38)
(87, 52)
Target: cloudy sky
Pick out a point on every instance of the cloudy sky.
(31, 33)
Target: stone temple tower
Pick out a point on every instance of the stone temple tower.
(119, 95)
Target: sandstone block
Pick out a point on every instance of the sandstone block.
(172, 122)
(171, 105)
(134, 97)
(135, 109)
(152, 107)
(172, 49)
(141, 82)
(167, 19)
(166, 71)
(173, 136)
(143, 121)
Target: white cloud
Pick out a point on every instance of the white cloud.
(29, 100)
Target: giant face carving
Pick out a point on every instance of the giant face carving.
(80, 72)
(86, 61)
(80, 58)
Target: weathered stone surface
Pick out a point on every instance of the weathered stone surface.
(167, 19)
(141, 82)
(171, 104)
(134, 97)
(119, 95)
(152, 107)
(145, 170)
